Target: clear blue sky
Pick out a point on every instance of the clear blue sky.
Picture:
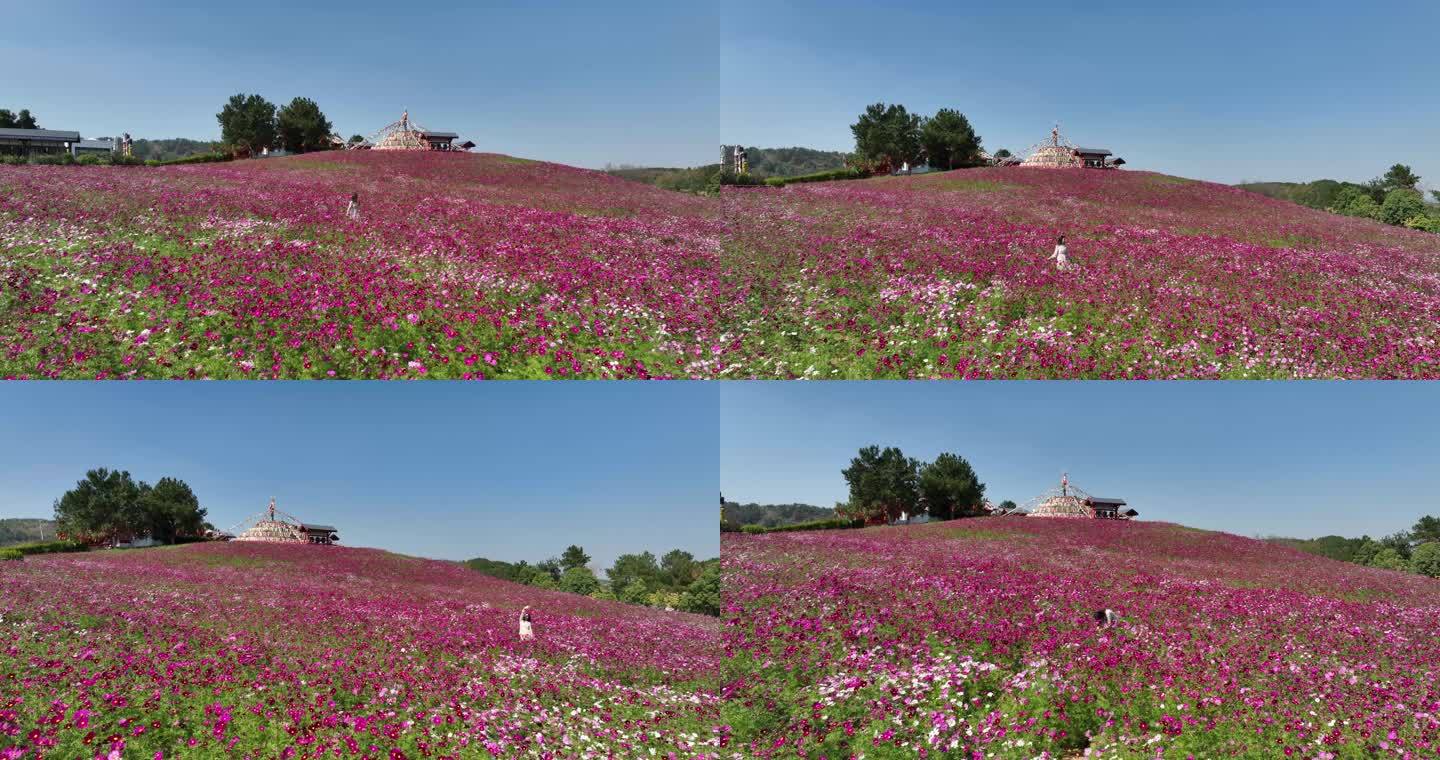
(1225, 90)
(508, 471)
(1300, 459)
(574, 82)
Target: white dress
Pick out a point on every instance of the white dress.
(1059, 255)
(526, 633)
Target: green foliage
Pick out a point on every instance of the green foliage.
(301, 126)
(887, 136)
(633, 591)
(949, 488)
(108, 505)
(198, 158)
(1400, 177)
(579, 580)
(731, 178)
(1425, 530)
(1389, 559)
(772, 515)
(10, 555)
(833, 523)
(1008, 505)
(247, 123)
(48, 547)
(171, 149)
(1352, 201)
(1402, 205)
(825, 176)
(949, 141)
(1003, 153)
(631, 567)
(883, 484)
(703, 596)
(700, 180)
(357, 139)
(792, 162)
(574, 557)
(22, 120)
(15, 530)
(678, 569)
(1425, 560)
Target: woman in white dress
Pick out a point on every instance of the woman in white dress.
(353, 210)
(526, 633)
(1061, 259)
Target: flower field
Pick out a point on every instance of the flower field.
(977, 639)
(459, 266)
(946, 275)
(297, 651)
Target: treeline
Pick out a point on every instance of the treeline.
(249, 124)
(109, 506)
(1394, 198)
(699, 180)
(22, 120)
(735, 516)
(675, 581)
(19, 530)
(1416, 550)
(172, 149)
(789, 162)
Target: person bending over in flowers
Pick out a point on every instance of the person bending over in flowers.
(1061, 259)
(1105, 618)
(526, 632)
(353, 210)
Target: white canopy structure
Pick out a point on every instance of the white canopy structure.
(271, 526)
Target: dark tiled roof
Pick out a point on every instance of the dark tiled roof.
(442, 135)
(1102, 501)
(1093, 151)
(57, 135)
(320, 528)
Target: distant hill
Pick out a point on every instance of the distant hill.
(772, 515)
(19, 530)
(792, 162)
(698, 179)
(1319, 194)
(171, 148)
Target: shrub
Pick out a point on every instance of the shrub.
(731, 178)
(833, 523)
(1400, 206)
(10, 555)
(198, 158)
(47, 547)
(826, 176)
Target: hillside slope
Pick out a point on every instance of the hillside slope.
(459, 265)
(979, 636)
(948, 275)
(255, 650)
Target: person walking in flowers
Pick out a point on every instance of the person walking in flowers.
(352, 211)
(526, 632)
(1061, 257)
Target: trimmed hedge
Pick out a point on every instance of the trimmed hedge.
(47, 547)
(10, 555)
(829, 176)
(834, 523)
(198, 158)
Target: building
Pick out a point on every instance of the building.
(1057, 153)
(1109, 509)
(36, 142)
(320, 534)
(274, 526)
(1070, 501)
(1092, 158)
(408, 135)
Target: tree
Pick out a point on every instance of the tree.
(1436, 195)
(105, 505)
(634, 591)
(887, 135)
(703, 596)
(883, 484)
(247, 123)
(7, 119)
(574, 556)
(949, 141)
(1366, 551)
(24, 120)
(1009, 506)
(1426, 559)
(579, 580)
(631, 567)
(1003, 153)
(950, 489)
(302, 127)
(357, 139)
(1389, 559)
(1401, 206)
(1426, 529)
(172, 510)
(1400, 542)
(1355, 201)
(678, 568)
(550, 567)
(1400, 177)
